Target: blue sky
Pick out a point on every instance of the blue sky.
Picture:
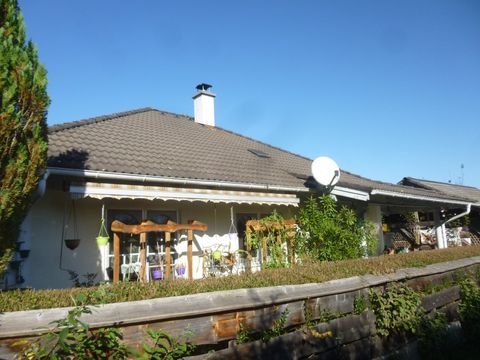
(386, 88)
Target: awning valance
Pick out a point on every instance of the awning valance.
(122, 191)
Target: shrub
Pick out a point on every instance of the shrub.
(334, 233)
(396, 309)
(308, 272)
(432, 334)
(469, 310)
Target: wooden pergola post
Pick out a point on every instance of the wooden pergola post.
(143, 262)
(190, 253)
(116, 258)
(168, 256)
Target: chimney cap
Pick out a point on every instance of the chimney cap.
(203, 87)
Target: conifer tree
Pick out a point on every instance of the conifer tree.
(23, 130)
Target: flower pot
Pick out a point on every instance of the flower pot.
(72, 243)
(24, 253)
(15, 265)
(157, 274)
(180, 271)
(102, 240)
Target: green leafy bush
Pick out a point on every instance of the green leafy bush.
(396, 309)
(469, 310)
(432, 335)
(334, 233)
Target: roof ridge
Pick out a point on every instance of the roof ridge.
(441, 182)
(95, 119)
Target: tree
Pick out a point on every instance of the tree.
(23, 129)
(334, 233)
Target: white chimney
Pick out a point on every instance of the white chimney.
(203, 105)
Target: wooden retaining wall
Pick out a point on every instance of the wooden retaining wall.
(214, 318)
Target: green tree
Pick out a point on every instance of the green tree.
(330, 232)
(23, 129)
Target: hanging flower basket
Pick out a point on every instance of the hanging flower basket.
(103, 238)
(72, 244)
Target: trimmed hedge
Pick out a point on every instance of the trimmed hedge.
(315, 272)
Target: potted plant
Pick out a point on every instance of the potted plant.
(180, 269)
(157, 267)
(24, 253)
(103, 238)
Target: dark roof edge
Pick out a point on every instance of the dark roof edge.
(421, 182)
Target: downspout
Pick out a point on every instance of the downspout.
(442, 244)
(42, 185)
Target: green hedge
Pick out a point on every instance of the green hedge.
(28, 299)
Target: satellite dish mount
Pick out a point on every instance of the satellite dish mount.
(326, 172)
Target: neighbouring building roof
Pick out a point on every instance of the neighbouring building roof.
(149, 142)
(461, 191)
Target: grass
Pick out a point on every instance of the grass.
(312, 272)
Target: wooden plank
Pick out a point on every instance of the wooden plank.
(190, 254)
(168, 259)
(441, 298)
(118, 226)
(116, 258)
(143, 265)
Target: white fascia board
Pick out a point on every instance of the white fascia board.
(418, 197)
(94, 174)
(350, 193)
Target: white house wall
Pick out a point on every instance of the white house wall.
(43, 233)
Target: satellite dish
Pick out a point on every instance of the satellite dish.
(325, 171)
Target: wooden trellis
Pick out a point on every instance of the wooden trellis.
(149, 226)
(263, 227)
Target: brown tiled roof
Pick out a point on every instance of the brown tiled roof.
(149, 142)
(156, 143)
(469, 192)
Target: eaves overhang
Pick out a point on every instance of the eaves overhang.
(418, 197)
(106, 175)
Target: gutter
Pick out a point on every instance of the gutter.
(350, 193)
(417, 197)
(163, 179)
(466, 212)
(441, 231)
(42, 185)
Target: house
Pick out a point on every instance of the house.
(471, 213)
(156, 165)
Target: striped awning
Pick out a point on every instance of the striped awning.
(122, 191)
